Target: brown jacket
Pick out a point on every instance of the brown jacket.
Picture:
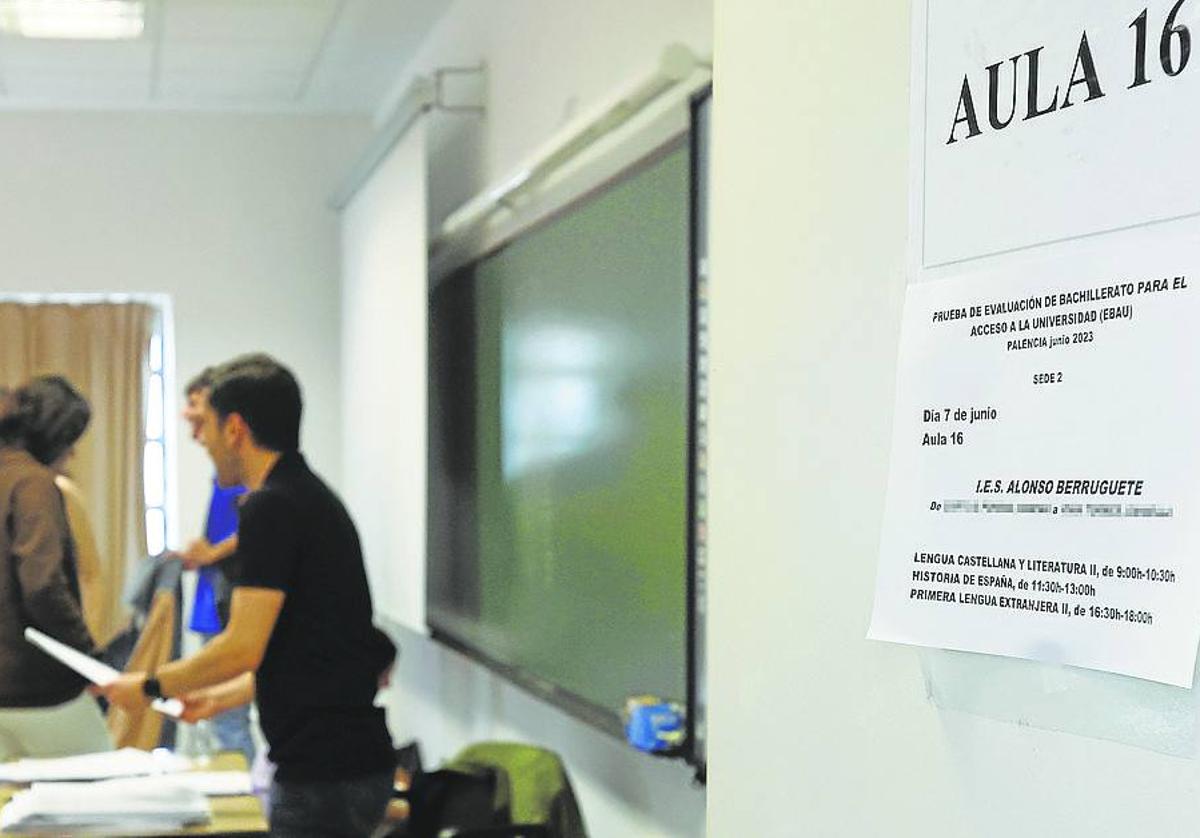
(39, 585)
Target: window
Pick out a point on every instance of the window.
(117, 350)
(154, 460)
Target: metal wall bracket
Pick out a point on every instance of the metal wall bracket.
(442, 97)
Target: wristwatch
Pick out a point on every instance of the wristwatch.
(152, 688)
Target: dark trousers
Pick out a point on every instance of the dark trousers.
(329, 809)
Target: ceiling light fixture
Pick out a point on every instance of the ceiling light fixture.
(104, 20)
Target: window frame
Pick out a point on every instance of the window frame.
(164, 332)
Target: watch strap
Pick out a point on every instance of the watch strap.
(152, 688)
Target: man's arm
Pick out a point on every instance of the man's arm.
(201, 554)
(234, 652)
(208, 702)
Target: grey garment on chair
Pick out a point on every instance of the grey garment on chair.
(149, 576)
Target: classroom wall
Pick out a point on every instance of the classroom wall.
(384, 370)
(226, 214)
(547, 60)
(815, 730)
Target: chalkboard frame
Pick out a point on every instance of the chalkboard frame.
(599, 717)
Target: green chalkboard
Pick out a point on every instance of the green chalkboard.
(559, 416)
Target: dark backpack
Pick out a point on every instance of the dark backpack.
(448, 799)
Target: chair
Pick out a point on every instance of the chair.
(151, 640)
(141, 727)
(493, 790)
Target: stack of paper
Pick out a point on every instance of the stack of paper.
(210, 783)
(144, 803)
(127, 762)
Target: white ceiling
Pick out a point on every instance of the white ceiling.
(270, 55)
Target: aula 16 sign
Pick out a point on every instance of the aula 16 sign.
(1083, 84)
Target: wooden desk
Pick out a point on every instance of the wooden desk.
(232, 816)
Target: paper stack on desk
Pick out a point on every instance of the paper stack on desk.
(106, 765)
(142, 803)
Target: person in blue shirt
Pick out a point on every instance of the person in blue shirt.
(214, 557)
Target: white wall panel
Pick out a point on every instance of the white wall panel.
(384, 305)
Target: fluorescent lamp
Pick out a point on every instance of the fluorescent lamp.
(104, 20)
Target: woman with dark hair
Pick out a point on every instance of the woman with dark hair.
(55, 416)
(43, 709)
(58, 415)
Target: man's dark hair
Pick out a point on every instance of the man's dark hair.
(48, 416)
(203, 380)
(265, 394)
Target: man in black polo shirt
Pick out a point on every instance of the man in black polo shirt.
(300, 618)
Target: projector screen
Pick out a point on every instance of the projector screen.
(559, 448)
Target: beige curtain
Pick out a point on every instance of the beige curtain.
(102, 348)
